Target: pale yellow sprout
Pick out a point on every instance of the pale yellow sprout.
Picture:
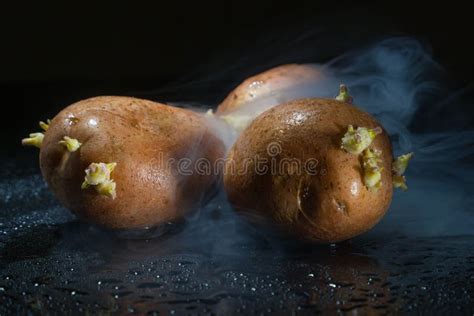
(44, 126)
(98, 175)
(35, 139)
(237, 121)
(372, 157)
(107, 188)
(209, 113)
(372, 171)
(399, 182)
(400, 164)
(344, 94)
(71, 144)
(356, 140)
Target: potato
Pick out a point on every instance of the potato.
(270, 84)
(134, 182)
(287, 168)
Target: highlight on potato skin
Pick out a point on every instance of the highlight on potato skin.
(139, 136)
(332, 205)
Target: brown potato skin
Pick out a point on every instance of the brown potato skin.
(265, 83)
(140, 136)
(306, 204)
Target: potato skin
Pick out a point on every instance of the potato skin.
(265, 83)
(329, 206)
(140, 136)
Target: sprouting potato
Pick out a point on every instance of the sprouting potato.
(269, 88)
(113, 161)
(319, 169)
(269, 83)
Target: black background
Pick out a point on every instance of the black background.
(55, 54)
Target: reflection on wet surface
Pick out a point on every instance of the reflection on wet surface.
(419, 259)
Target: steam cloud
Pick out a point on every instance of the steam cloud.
(398, 82)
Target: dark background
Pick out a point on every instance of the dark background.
(417, 260)
(55, 54)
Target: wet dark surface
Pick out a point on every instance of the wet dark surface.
(419, 259)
